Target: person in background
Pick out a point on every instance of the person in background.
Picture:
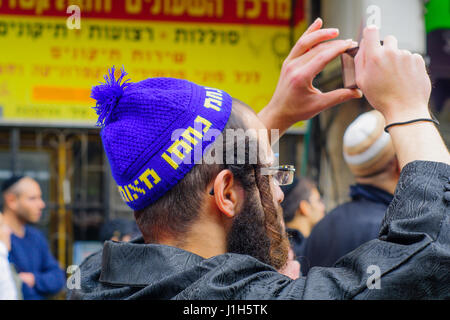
(30, 255)
(302, 210)
(7, 287)
(119, 230)
(370, 155)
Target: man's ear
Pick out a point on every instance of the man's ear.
(305, 208)
(226, 193)
(10, 201)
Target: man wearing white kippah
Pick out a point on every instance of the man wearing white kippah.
(370, 155)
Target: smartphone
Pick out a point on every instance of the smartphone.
(348, 67)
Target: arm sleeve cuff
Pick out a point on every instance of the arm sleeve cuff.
(419, 204)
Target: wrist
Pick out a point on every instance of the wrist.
(271, 117)
(393, 115)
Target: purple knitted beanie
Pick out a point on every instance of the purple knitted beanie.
(152, 129)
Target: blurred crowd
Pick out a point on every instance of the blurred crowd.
(28, 270)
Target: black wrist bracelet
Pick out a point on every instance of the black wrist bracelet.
(408, 122)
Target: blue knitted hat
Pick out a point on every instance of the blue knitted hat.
(151, 128)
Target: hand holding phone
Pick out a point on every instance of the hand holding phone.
(348, 67)
(394, 81)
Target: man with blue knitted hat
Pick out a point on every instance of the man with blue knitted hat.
(208, 205)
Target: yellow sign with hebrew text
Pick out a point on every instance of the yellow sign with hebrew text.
(48, 69)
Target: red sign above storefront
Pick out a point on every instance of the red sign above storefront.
(262, 12)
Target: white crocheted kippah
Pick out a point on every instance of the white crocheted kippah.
(367, 148)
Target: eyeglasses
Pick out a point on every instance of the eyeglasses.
(282, 175)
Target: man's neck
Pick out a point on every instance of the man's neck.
(204, 239)
(12, 221)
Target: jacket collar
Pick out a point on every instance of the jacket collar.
(371, 193)
(138, 264)
(295, 234)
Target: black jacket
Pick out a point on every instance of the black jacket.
(412, 255)
(346, 227)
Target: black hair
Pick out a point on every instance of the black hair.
(10, 182)
(293, 196)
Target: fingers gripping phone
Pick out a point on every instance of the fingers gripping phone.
(348, 67)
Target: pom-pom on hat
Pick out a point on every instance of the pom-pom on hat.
(367, 148)
(153, 129)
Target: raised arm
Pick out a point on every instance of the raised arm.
(295, 97)
(411, 257)
(397, 84)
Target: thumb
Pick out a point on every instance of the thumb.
(332, 98)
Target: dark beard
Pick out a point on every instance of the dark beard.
(248, 234)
